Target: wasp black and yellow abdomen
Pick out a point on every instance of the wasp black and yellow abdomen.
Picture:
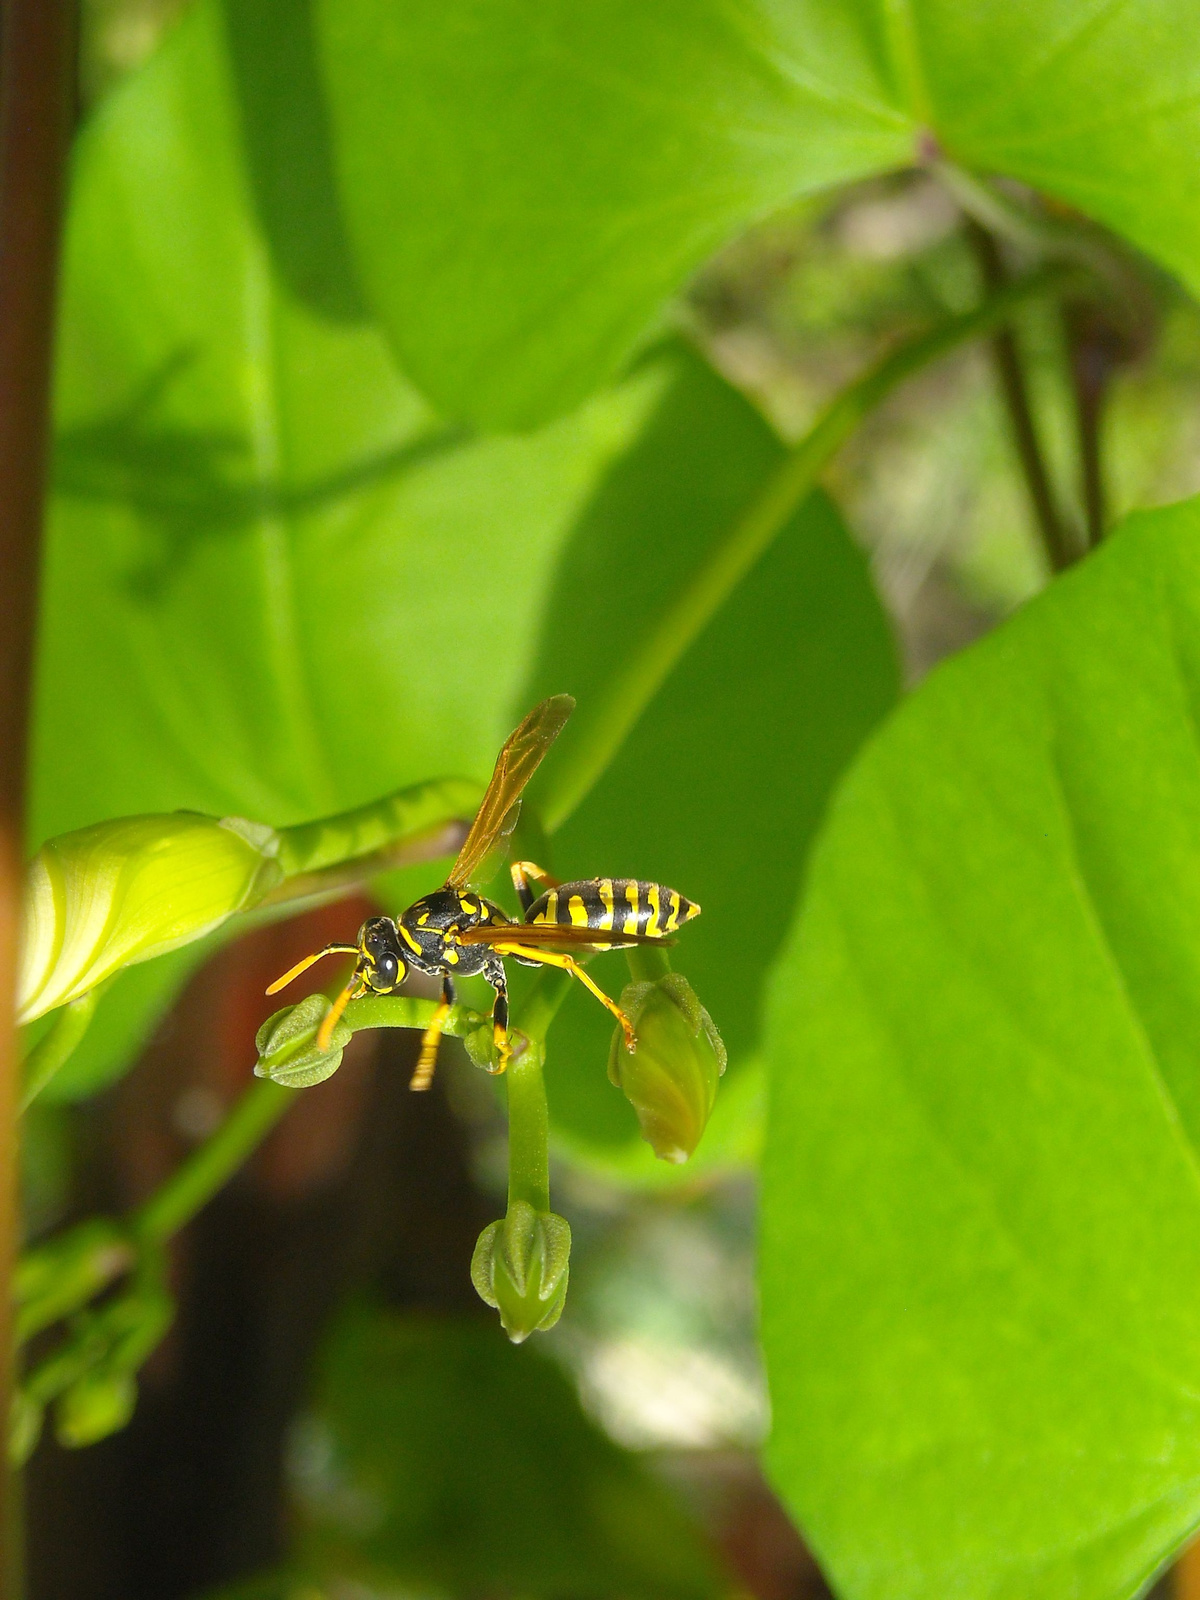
(621, 905)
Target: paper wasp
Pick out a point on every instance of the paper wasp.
(455, 932)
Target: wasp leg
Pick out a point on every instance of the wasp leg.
(353, 990)
(500, 1019)
(524, 872)
(554, 958)
(423, 1074)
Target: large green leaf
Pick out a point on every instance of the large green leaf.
(720, 786)
(274, 583)
(277, 585)
(526, 183)
(444, 1458)
(981, 1246)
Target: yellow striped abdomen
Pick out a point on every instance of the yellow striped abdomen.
(625, 905)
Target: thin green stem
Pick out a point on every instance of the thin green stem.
(646, 964)
(528, 1130)
(528, 1112)
(405, 1011)
(546, 994)
(56, 1046)
(191, 1187)
(683, 619)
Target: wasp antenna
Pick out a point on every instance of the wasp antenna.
(303, 966)
(330, 1020)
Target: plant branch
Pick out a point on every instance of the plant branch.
(1059, 546)
(192, 1185)
(1045, 237)
(684, 618)
(37, 79)
(1096, 349)
(54, 1049)
(528, 1111)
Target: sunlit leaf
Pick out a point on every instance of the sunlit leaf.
(275, 585)
(981, 1245)
(551, 172)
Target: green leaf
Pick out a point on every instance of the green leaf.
(720, 786)
(275, 585)
(981, 1242)
(443, 1457)
(551, 173)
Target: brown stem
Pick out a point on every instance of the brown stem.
(1096, 348)
(37, 76)
(1056, 540)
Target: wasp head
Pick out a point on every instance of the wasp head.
(381, 963)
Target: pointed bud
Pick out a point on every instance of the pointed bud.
(121, 892)
(520, 1267)
(96, 1405)
(287, 1045)
(671, 1078)
(56, 1278)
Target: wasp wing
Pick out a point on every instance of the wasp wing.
(556, 936)
(515, 765)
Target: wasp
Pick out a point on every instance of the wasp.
(455, 932)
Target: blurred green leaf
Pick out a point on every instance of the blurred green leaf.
(981, 1242)
(720, 786)
(550, 174)
(443, 1457)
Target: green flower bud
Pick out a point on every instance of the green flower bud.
(520, 1267)
(287, 1045)
(56, 1278)
(96, 1405)
(671, 1079)
(122, 892)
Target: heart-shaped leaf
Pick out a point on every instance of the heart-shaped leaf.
(549, 174)
(981, 1242)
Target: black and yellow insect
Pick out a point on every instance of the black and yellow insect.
(455, 932)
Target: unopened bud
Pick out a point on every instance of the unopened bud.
(121, 892)
(287, 1045)
(56, 1278)
(671, 1078)
(96, 1405)
(520, 1267)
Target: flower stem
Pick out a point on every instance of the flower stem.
(192, 1185)
(1059, 545)
(528, 1112)
(528, 1130)
(682, 620)
(56, 1046)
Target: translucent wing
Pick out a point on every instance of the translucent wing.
(556, 936)
(515, 765)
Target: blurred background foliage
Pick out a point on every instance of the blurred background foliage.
(251, 503)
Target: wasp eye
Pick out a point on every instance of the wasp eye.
(384, 973)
